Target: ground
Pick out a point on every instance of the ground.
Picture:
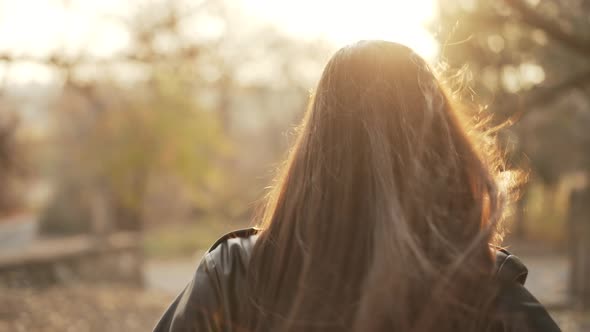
(84, 308)
(117, 309)
(81, 309)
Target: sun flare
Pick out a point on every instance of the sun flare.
(338, 22)
(343, 22)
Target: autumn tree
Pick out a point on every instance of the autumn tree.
(207, 106)
(528, 61)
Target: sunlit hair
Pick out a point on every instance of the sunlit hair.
(383, 215)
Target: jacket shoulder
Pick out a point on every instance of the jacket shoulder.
(240, 235)
(510, 268)
(208, 303)
(231, 252)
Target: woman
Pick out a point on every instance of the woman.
(381, 220)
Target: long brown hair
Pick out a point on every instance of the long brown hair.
(382, 217)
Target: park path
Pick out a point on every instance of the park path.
(170, 276)
(548, 279)
(17, 232)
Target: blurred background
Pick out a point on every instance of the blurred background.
(135, 133)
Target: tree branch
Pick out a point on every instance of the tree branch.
(519, 106)
(547, 95)
(552, 28)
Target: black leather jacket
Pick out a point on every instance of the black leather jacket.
(211, 298)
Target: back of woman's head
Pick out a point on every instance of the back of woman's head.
(382, 216)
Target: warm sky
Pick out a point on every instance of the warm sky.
(347, 21)
(37, 27)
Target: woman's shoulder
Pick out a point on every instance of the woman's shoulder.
(232, 248)
(238, 245)
(207, 302)
(243, 236)
(518, 308)
(510, 268)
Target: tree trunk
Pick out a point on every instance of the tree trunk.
(579, 250)
(101, 225)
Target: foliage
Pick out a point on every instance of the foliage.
(208, 111)
(527, 73)
(136, 136)
(529, 60)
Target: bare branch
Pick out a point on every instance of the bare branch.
(552, 28)
(63, 63)
(547, 95)
(520, 105)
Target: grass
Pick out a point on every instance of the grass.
(183, 240)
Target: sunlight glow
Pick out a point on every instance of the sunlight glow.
(81, 26)
(343, 22)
